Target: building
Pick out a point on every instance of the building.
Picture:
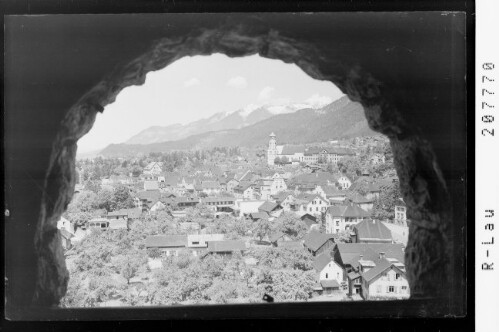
(225, 248)
(365, 203)
(352, 256)
(371, 231)
(244, 190)
(271, 208)
(285, 199)
(272, 150)
(401, 212)
(317, 243)
(296, 154)
(170, 245)
(385, 280)
(97, 223)
(153, 168)
(198, 243)
(219, 204)
(343, 217)
(211, 187)
(245, 207)
(327, 268)
(312, 204)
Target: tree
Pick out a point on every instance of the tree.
(136, 171)
(263, 228)
(129, 268)
(105, 199)
(384, 206)
(122, 199)
(291, 225)
(154, 253)
(292, 285)
(350, 165)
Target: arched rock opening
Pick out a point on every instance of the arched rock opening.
(389, 109)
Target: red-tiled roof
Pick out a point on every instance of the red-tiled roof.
(166, 241)
(321, 261)
(226, 246)
(381, 266)
(347, 211)
(314, 240)
(372, 229)
(268, 207)
(330, 284)
(350, 253)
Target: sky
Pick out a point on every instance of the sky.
(194, 88)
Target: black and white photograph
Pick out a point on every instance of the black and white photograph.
(254, 163)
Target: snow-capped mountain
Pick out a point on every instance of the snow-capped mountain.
(244, 117)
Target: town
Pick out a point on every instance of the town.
(313, 222)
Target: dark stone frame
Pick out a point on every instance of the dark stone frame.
(420, 176)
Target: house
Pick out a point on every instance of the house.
(219, 204)
(309, 220)
(226, 247)
(271, 208)
(258, 215)
(344, 182)
(363, 202)
(311, 204)
(285, 199)
(153, 168)
(66, 238)
(244, 190)
(245, 207)
(264, 187)
(97, 223)
(277, 238)
(198, 243)
(401, 212)
(231, 184)
(371, 231)
(170, 245)
(186, 202)
(327, 268)
(343, 217)
(373, 191)
(351, 256)
(386, 280)
(334, 195)
(317, 242)
(211, 187)
(144, 198)
(65, 224)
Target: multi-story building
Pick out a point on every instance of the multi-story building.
(343, 217)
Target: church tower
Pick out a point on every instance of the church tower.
(272, 151)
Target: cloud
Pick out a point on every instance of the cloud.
(191, 82)
(266, 93)
(238, 82)
(317, 101)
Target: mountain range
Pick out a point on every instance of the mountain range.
(219, 121)
(251, 128)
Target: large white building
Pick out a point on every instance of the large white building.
(311, 155)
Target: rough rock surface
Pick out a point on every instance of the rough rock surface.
(402, 77)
